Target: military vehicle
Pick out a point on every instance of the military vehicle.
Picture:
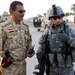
(40, 22)
(44, 21)
(37, 22)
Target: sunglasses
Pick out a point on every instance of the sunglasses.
(56, 17)
(21, 11)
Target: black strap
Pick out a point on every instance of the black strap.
(47, 50)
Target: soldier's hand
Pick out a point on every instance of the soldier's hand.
(7, 61)
(40, 55)
(63, 37)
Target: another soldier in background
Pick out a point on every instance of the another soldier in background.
(45, 21)
(58, 44)
(15, 41)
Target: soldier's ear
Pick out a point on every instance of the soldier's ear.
(11, 12)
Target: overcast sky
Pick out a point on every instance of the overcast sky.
(34, 7)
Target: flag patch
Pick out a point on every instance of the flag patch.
(10, 30)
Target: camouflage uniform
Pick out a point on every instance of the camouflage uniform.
(58, 64)
(56, 46)
(16, 39)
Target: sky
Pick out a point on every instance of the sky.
(34, 7)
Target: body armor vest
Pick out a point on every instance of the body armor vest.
(57, 48)
(55, 43)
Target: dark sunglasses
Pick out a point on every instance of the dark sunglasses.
(56, 17)
(21, 11)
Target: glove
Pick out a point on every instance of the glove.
(40, 56)
(63, 37)
(7, 61)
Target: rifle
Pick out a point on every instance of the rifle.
(44, 62)
(47, 50)
(41, 65)
(41, 70)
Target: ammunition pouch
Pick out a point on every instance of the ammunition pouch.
(73, 54)
(60, 58)
(70, 51)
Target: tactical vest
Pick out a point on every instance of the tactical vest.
(58, 49)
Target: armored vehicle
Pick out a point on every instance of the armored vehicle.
(40, 23)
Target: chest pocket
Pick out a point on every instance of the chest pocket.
(14, 39)
(54, 41)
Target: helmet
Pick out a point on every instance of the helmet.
(55, 11)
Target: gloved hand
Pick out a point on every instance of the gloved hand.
(7, 61)
(63, 37)
(40, 55)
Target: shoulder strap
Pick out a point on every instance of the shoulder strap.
(47, 44)
(64, 28)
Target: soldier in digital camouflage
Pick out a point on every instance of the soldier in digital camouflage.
(61, 47)
(15, 41)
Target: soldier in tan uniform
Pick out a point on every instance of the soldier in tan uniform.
(45, 21)
(16, 39)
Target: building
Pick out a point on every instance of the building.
(5, 16)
